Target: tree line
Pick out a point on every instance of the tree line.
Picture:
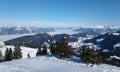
(10, 55)
(88, 54)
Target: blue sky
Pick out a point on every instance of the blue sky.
(59, 12)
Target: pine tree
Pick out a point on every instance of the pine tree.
(11, 54)
(17, 52)
(39, 51)
(1, 56)
(63, 50)
(8, 55)
(53, 48)
(90, 55)
(44, 51)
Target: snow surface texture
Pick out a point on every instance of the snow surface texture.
(50, 63)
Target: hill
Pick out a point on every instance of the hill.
(109, 47)
(109, 41)
(38, 39)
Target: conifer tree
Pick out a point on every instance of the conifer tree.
(44, 51)
(1, 56)
(53, 48)
(17, 52)
(90, 55)
(11, 54)
(63, 49)
(39, 51)
(8, 55)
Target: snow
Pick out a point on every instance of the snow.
(77, 44)
(117, 34)
(52, 64)
(1, 43)
(99, 40)
(89, 44)
(94, 26)
(29, 29)
(98, 27)
(80, 42)
(25, 51)
(117, 45)
(105, 50)
(115, 57)
(18, 28)
(49, 63)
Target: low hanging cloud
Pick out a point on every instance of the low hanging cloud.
(36, 23)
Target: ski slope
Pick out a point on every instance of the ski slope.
(50, 63)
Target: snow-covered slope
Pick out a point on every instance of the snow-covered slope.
(49, 63)
(25, 51)
(52, 64)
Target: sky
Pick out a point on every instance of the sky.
(59, 13)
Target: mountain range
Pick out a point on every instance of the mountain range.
(108, 44)
(23, 30)
(97, 30)
(109, 47)
(90, 30)
(39, 39)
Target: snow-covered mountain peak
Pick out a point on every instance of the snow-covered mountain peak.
(18, 28)
(99, 27)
